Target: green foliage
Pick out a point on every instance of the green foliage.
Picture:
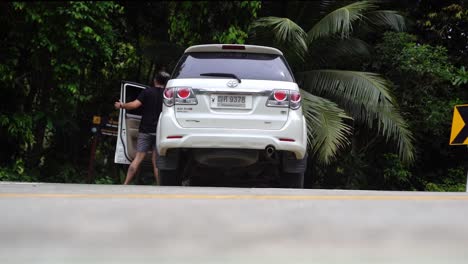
(326, 132)
(233, 35)
(353, 170)
(401, 51)
(461, 77)
(104, 180)
(16, 172)
(425, 66)
(66, 173)
(425, 74)
(395, 173)
(340, 21)
(446, 24)
(18, 127)
(434, 21)
(59, 61)
(438, 117)
(425, 59)
(286, 32)
(454, 181)
(202, 22)
(367, 98)
(427, 93)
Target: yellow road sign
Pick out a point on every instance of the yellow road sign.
(96, 120)
(459, 135)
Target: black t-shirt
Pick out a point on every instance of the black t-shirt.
(151, 99)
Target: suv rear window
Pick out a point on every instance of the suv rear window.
(254, 66)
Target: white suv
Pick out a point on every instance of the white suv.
(234, 108)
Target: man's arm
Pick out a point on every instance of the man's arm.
(129, 106)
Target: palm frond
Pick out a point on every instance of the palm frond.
(285, 32)
(393, 122)
(326, 130)
(366, 87)
(340, 21)
(367, 98)
(331, 51)
(386, 18)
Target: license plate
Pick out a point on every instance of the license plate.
(231, 101)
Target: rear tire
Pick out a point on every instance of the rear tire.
(292, 180)
(170, 178)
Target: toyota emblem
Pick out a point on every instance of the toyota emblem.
(232, 84)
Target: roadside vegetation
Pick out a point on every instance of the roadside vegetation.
(379, 81)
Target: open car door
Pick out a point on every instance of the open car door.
(129, 122)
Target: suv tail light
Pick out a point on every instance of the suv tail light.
(183, 93)
(280, 95)
(168, 96)
(295, 100)
(185, 96)
(284, 98)
(180, 96)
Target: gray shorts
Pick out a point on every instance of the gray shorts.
(146, 142)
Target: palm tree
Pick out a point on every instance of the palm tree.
(333, 99)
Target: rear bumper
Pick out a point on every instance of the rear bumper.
(295, 128)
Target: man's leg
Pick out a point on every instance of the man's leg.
(134, 166)
(155, 168)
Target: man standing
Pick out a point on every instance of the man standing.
(151, 101)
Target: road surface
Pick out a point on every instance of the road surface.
(66, 223)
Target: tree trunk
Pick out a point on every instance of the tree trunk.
(149, 76)
(44, 93)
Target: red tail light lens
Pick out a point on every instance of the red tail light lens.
(278, 98)
(183, 93)
(295, 97)
(185, 96)
(168, 97)
(280, 95)
(168, 93)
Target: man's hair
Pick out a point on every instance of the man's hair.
(162, 77)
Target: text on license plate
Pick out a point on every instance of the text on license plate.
(231, 101)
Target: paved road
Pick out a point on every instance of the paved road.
(58, 223)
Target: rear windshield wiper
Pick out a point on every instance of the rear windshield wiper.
(221, 74)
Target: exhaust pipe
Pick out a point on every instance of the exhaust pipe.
(270, 150)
